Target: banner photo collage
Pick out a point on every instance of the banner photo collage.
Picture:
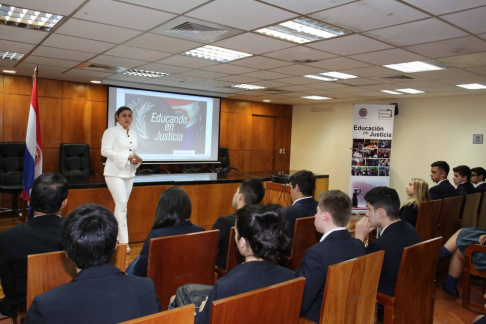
(371, 150)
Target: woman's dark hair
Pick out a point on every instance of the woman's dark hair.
(174, 206)
(120, 110)
(263, 227)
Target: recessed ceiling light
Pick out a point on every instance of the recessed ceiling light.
(339, 75)
(418, 66)
(316, 98)
(95, 81)
(302, 30)
(472, 86)
(319, 77)
(266, 100)
(247, 87)
(408, 90)
(214, 53)
(144, 73)
(391, 92)
(11, 56)
(27, 18)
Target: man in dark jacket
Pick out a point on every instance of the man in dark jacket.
(462, 179)
(477, 178)
(438, 173)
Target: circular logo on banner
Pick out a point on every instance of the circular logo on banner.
(363, 112)
(38, 155)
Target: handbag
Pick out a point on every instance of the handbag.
(191, 294)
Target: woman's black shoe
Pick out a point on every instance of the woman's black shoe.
(453, 292)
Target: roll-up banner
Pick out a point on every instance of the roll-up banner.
(371, 151)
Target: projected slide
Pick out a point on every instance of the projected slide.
(170, 127)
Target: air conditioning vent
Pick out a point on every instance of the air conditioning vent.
(104, 68)
(305, 61)
(397, 77)
(274, 91)
(195, 31)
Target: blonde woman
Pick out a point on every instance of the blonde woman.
(418, 192)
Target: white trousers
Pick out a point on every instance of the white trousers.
(120, 189)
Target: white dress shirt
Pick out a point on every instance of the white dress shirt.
(116, 146)
(333, 230)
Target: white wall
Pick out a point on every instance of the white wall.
(426, 130)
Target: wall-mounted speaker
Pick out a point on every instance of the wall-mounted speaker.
(396, 108)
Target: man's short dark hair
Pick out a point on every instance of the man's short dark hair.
(48, 192)
(480, 172)
(385, 198)
(253, 191)
(338, 204)
(463, 171)
(442, 165)
(89, 235)
(306, 181)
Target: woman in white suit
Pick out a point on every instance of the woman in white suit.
(119, 145)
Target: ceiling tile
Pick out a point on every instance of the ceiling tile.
(370, 71)
(378, 87)
(298, 80)
(62, 53)
(8, 63)
(50, 61)
(259, 62)
(182, 79)
(294, 88)
(229, 69)
(162, 43)
(473, 20)
(126, 77)
(122, 15)
(299, 53)
(446, 74)
(76, 43)
(388, 57)
(137, 53)
(91, 30)
(465, 80)
(177, 6)
(360, 81)
(445, 6)
(478, 69)
(265, 75)
(467, 60)
(421, 84)
(26, 35)
(43, 71)
(60, 7)
(451, 47)
(348, 45)
(443, 88)
(327, 85)
(117, 61)
(239, 79)
(187, 61)
(339, 63)
(298, 69)
(16, 47)
(424, 31)
(236, 13)
(306, 6)
(366, 15)
(163, 68)
(86, 73)
(216, 83)
(253, 43)
(204, 74)
(270, 84)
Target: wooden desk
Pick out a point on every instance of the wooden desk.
(210, 199)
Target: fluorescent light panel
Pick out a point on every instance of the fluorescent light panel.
(11, 56)
(409, 90)
(316, 98)
(472, 86)
(391, 92)
(247, 87)
(319, 77)
(28, 18)
(302, 30)
(9, 71)
(417, 66)
(214, 53)
(144, 73)
(339, 75)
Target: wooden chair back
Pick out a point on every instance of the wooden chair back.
(470, 269)
(470, 210)
(428, 219)
(482, 212)
(449, 216)
(305, 236)
(233, 257)
(279, 304)
(350, 292)
(181, 259)
(415, 285)
(46, 271)
(180, 315)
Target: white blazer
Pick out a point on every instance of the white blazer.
(116, 146)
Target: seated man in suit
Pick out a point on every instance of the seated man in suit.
(383, 205)
(302, 187)
(336, 246)
(100, 292)
(462, 179)
(477, 178)
(250, 192)
(438, 173)
(39, 235)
